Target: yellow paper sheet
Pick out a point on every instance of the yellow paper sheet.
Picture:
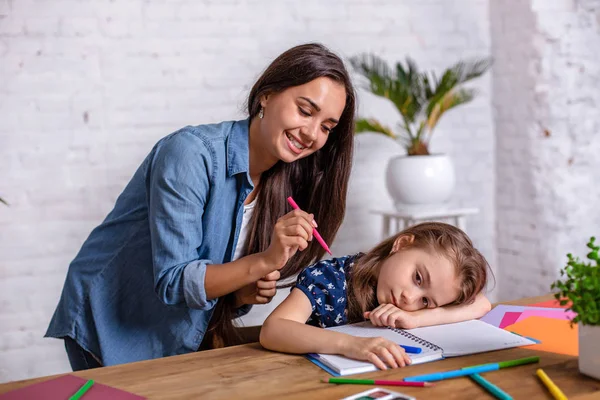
(556, 335)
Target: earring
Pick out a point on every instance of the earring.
(261, 113)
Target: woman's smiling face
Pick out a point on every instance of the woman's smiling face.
(298, 120)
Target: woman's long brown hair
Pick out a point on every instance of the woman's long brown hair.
(318, 182)
(449, 241)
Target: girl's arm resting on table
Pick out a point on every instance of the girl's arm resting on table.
(285, 331)
(450, 314)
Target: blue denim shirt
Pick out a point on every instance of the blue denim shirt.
(135, 290)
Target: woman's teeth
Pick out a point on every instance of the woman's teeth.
(294, 142)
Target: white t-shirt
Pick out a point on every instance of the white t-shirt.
(241, 243)
(258, 313)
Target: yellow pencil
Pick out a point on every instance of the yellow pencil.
(556, 392)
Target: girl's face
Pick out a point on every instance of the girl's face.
(415, 278)
(298, 120)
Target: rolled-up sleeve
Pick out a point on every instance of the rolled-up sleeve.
(178, 184)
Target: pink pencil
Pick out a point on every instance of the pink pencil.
(315, 233)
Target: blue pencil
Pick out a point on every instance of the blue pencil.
(411, 349)
(490, 387)
(438, 376)
(476, 369)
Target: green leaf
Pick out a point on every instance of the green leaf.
(401, 86)
(372, 125)
(580, 283)
(3, 201)
(420, 98)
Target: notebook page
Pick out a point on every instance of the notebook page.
(366, 329)
(345, 365)
(469, 337)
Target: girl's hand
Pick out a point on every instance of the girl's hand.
(292, 232)
(392, 316)
(260, 292)
(379, 351)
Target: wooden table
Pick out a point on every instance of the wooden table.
(250, 372)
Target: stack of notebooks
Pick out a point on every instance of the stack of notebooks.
(547, 322)
(436, 342)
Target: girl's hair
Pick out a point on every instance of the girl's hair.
(444, 239)
(318, 182)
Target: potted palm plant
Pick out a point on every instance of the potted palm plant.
(581, 287)
(418, 177)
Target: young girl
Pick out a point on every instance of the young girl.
(428, 274)
(205, 219)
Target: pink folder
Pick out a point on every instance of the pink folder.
(63, 387)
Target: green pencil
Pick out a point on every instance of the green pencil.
(82, 390)
(511, 363)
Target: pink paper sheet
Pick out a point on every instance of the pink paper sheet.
(564, 315)
(494, 317)
(509, 319)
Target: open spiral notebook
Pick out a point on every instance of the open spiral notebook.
(436, 342)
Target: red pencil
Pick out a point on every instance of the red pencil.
(377, 382)
(315, 233)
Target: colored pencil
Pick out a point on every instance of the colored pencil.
(82, 390)
(490, 387)
(377, 382)
(512, 363)
(411, 349)
(554, 390)
(476, 369)
(314, 231)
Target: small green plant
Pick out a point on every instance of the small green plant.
(420, 97)
(581, 286)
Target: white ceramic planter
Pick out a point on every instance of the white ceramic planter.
(420, 180)
(589, 350)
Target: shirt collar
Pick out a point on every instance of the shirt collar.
(238, 148)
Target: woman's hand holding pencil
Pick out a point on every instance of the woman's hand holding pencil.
(292, 232)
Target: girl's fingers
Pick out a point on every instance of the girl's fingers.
(407, 358)
(372, 357)
(374, 320)
(387, 357)
(393, 318)
(399, 355)
(377, 313)
(368, 313)
(386, 315)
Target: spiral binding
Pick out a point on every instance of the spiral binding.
(417, 339)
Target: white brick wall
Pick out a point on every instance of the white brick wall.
(548, 137)
(87, 87)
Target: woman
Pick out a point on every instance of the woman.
(170, 255)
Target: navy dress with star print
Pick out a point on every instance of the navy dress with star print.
(324, 283)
